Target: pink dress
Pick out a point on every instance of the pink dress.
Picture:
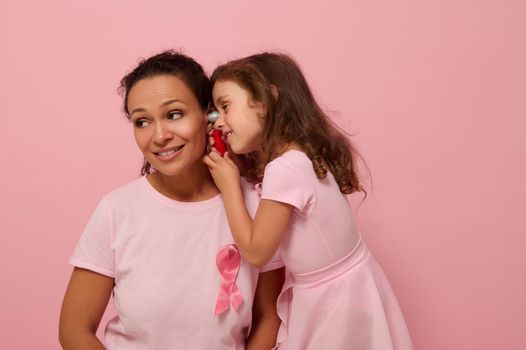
(335, 295)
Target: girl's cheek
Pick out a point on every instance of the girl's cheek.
(229, 117)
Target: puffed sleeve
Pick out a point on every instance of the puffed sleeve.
(93, 251)
(282, 183)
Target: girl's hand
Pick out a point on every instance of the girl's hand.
(223, 170)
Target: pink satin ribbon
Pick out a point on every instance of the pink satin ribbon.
(228, 261)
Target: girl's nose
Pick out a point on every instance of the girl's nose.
(220, 121)
(163, 134)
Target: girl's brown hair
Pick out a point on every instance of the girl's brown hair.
(293, 116)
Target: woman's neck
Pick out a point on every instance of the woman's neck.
(194, 185)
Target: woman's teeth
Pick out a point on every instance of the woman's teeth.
(167, 153)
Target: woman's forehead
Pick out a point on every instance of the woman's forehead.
(159, 89)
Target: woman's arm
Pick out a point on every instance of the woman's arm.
(86, 299)
(265, 320)
(257, 240)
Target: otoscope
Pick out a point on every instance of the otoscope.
(217, 135)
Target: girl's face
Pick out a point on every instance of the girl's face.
(168, 123)
(240, 118)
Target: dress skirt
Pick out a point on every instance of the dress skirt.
(346, 305)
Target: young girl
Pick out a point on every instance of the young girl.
(335, 295)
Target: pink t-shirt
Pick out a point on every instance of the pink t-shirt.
(162, 255)
(322, 228)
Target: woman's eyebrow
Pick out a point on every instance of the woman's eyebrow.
(137, 110)
(169, 102)
(165, 103)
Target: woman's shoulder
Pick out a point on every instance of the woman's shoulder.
(126, 193)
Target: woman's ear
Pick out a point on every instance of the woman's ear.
(207, 111)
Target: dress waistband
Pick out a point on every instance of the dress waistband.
(355, 256)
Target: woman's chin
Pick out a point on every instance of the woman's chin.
(166, 169)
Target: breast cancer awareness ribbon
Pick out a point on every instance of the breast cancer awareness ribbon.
(228, 261)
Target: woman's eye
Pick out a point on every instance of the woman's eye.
(174, 115)
(225, 108)
(140, 123)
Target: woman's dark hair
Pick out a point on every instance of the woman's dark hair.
(293, 116)
(174, 63)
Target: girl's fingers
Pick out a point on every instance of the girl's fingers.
(212, 159)
(209, 162)
(214, 155)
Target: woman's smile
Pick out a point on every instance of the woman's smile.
(169, 153)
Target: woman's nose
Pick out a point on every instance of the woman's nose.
(163, 133)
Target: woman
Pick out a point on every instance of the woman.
(155, 242)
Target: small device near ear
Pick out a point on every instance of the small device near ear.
(217, 135)
(212, 116)
(219, 145)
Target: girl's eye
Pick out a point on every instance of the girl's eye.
(140, 123)
(175, 115)
(224, 108)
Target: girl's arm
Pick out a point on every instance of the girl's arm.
(257, 240)
(86, 299)
(265, 320)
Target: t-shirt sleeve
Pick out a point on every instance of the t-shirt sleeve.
(282, 183)
(93, 251)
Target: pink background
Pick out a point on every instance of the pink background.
(433, 90)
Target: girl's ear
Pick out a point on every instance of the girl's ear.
(274, 91)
